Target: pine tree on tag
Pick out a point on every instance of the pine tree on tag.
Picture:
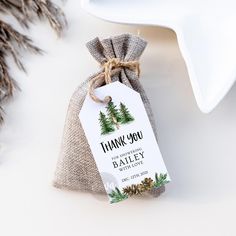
(113, 114)
(106, 125)
(126, 117)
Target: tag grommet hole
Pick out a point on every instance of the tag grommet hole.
(107, 99)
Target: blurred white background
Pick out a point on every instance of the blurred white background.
(199, 150)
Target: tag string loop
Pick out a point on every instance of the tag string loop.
(109, 69)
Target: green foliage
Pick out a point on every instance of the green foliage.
(137, 189)
(113, 113)
(160, 180)
(126, 117)
(105, 124)
(117, 196)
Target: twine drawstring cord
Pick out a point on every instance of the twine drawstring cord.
(109, 69)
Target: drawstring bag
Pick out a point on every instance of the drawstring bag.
(76, 167)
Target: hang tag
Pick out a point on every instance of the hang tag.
(122, 142)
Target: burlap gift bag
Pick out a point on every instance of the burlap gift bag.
(76, 168)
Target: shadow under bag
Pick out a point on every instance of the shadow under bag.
(76, 167)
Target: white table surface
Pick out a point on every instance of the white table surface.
(199, 150)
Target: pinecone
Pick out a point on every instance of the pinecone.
(147, 183)
(133, 189)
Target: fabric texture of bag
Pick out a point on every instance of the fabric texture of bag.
(76, 167)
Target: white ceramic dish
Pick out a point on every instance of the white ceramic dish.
(206, 33)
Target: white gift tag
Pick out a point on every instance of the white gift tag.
(122, 142)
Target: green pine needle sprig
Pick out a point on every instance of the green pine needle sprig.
(160, 180)
(117, 196)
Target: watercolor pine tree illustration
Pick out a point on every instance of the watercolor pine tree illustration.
(113, 114)
(126, 117)
(105, 124)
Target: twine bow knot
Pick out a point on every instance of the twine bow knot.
(110, 68)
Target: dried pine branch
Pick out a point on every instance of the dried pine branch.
(11, 40)
(25, 11)
(47, 9)
(6, 82)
